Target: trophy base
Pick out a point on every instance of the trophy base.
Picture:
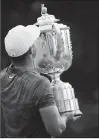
(68, 105)
(64, 94)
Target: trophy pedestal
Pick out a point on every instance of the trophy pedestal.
(64, 94)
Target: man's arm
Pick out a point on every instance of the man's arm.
(54, 123)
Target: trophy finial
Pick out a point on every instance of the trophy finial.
(43, 9)
(45, 19)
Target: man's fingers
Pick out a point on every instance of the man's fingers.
(78, 113)
(76, 118)
(70, 115)
(73, 115)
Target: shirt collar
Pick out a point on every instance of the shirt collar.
(17, 69)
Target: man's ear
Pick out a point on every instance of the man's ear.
(30, 50)
(33, 50)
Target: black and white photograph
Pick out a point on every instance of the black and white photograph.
(49, 69)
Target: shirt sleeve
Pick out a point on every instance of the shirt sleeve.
(46, 95)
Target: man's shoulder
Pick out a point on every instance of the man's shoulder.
(35, 77)
(2, 73)
(42, 78)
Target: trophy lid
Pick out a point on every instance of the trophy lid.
(45, 19)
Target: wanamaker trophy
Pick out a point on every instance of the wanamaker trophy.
(53, 57)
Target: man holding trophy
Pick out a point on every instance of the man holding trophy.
(32, 105)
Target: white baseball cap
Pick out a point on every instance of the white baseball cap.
(20, 38)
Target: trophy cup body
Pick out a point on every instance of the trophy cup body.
(53, 56)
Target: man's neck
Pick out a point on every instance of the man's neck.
(24, 66)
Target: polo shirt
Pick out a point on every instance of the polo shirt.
(23, 93)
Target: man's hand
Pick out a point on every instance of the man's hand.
(73, 115)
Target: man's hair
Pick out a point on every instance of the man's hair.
(19, 58)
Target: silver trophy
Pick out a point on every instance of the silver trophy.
(53, 57)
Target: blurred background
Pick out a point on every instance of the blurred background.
(83, 19)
